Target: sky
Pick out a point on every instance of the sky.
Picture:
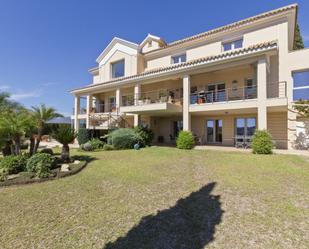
(47, 46)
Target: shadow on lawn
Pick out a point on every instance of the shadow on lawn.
(190, 224)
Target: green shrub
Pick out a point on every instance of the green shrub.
(47, 151)
(146, 135)
(262, 142)
(14, 164)
(87, 146)
(40, 164)
(82, 136)
(96, 143)
(108, 147)
(3, 174)
(185, 140)
(123, 138)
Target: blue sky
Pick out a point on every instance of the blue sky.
(47, 47)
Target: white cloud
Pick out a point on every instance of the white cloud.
(46, 84)
(25, 95)
(4, 87)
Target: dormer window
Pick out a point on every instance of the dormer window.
(149, 44)
(118, 69)
(232, 45)
(179, 58)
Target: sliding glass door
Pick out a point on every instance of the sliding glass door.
(245, 127)
(215, 93)
(214, 131)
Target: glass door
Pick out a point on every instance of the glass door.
(220, 92)
(214, 131)
(244, 129)
(112, 104)
(216, 93)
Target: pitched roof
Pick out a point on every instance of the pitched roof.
(229, 26)
(112, 43)
(200, 61)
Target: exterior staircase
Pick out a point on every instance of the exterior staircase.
(107, 121)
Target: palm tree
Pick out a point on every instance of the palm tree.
(13, 125)
(41, 115)
(6, 103)
(65, 135)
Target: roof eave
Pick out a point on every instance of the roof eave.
(179, 69)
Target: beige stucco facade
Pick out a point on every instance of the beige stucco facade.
(186, 83)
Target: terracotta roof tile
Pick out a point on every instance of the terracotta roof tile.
(228, 27)
(265, 45)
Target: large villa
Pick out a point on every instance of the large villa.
(221, 84)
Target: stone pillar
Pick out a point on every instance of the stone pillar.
(118, 99)
(76, 112)
(291, 127)
(89, 106)
(262, 93)
(136, 120)
(137, 94)
(106, 103)
(186, 103)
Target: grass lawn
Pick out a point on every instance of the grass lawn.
(164, 198)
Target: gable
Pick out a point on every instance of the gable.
(115, 45)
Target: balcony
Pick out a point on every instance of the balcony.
(164, 100)
(237, 98)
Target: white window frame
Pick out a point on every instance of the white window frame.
(111, 68)
(232, 43)
(299, 87)
(179, 56)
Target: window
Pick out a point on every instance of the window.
(232, 45)
(245, 127)
(118, 69)
(179, 58)
(301, 85)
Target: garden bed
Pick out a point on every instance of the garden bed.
(56, 173)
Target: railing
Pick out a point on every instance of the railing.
(274, 90)
(104, 108)
(151, 97)
(229, 94)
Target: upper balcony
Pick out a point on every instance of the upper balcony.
(221, 98)
(156, 101)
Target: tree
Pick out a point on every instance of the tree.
(302, 107)
(65, 135)
(41, 115)
(6, 103)
(13, 125)
(298, 40)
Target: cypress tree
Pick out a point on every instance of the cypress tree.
(298, 42)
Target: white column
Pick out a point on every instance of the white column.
(106, 103)
(262, 93)
(118, 99)
(137, 93)
(89, 106)
(186, 103)
(136, 120)
(76, 112)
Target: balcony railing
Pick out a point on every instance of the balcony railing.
(173, 96)
(228, 94)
